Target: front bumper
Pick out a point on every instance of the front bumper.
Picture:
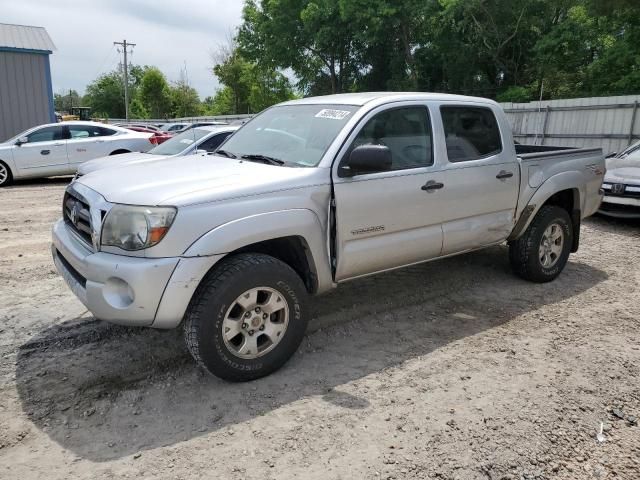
(116, 288)
(620, 207)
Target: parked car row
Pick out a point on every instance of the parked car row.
(59, 148)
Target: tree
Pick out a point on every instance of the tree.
(248, 86)
(153, 93)
(63, 101)
(105, 95)
(310, 37)
(184, 98)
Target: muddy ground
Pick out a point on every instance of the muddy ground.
(449, 370)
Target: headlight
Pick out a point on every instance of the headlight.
(136, 228)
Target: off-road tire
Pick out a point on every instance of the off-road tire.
(212, 299)
(524, 252)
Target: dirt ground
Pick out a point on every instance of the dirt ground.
(450, 370)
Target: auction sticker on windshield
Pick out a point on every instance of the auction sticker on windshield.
(333, 114)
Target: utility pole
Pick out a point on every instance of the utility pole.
(124, 44)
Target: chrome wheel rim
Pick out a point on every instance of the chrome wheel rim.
(551, 245)
(255, 322)
(4, 174)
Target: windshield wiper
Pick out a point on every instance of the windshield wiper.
(255, 157)
(224, 153)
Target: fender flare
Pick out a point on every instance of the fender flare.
(571, 180)
(302, 223)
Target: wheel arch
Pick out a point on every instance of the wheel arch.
(10, 170)
(563, 190)
(295, 236)
(120, 151)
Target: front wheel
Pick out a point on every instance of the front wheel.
(542, 252)
(5, 175)
(247, 318)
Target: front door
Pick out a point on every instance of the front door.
(386, 219)
(45, 151)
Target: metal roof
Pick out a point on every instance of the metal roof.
(363, 98)
(25, 37)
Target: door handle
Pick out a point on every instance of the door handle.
(45, 152)
(504, 175)
(58, 144)
(432, 185)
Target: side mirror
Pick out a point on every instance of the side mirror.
(22, 140)
(367, 159)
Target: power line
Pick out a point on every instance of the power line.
(124, 44)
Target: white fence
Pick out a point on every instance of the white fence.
(611, 123)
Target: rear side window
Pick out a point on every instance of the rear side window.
(471, 133)
(211, 144)
(89, 131)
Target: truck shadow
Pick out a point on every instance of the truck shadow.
(105, 392)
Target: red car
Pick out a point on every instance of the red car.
(158, 135)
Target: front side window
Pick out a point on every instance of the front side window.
(46, 134)
(407, 133)
(471, 133)
(299, 135)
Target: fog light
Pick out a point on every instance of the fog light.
(118, 293)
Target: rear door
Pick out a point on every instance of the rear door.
(386, 219)
(87, 142)
(480, 179)
(46, 150)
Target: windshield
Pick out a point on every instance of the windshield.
(180, 142)
(295, 134)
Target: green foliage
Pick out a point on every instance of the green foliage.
(63, 101)
(248, 87)
(153, 95)
(515, 95)
(184, 100)
(484, 47)
(106, 95)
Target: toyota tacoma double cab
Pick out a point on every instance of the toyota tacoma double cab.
(307, 195)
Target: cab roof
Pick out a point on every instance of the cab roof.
(364, 98)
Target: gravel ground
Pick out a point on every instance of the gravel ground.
(450, 370)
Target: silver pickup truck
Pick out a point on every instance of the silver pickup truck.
(307, 195)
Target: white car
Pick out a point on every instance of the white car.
(622, 185)
(59, 148)
(205, 139)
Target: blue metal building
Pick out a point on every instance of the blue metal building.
(26, 93)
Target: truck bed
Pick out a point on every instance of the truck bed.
(530, 152)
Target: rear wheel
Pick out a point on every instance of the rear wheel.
(541, 253)
(247, 318)
(5, 174)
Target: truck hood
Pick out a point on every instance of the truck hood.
(195, 179)
(116, 161)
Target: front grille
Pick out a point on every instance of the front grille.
(621, 190)
(77, 215)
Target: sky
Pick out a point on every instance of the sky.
(166, 33)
